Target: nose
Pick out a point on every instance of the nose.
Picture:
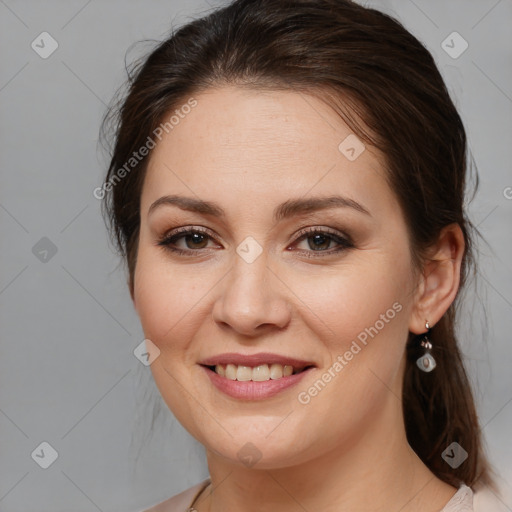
(252, 299)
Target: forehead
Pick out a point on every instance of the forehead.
(257, 145)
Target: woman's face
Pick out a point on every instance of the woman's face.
(273, 274)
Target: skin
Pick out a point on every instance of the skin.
(250, 151)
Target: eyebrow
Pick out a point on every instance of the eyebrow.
(285, 210)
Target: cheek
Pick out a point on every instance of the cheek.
(363, 311)
(167, 301)
(360, 302)
(168, 298)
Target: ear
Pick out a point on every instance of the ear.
(439, 280)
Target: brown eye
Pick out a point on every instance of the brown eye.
(319, 241)
(197, 240)
(194, 240)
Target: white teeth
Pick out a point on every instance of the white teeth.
(244, 373)
(230, 371)
(258, 373)
(276, 371)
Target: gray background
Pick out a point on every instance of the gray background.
(68, 375)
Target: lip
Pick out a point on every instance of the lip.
(252, 390)
(255, 360)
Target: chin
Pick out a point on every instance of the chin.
(257, 448)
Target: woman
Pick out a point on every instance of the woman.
(287, 189)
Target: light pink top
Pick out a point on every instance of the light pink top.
(462, 500)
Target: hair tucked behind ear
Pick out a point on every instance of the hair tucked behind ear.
(387, 88)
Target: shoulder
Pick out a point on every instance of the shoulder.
(462, 501)
(486, 501)
(480, 500)
(180, 502)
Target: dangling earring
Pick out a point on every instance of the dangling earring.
(426, 362)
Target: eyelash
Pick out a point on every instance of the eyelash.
(173, 236)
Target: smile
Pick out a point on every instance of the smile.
(258, 373)
(256, 376)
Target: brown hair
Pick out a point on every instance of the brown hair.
(360, 61)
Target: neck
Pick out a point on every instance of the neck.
(378, 472)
